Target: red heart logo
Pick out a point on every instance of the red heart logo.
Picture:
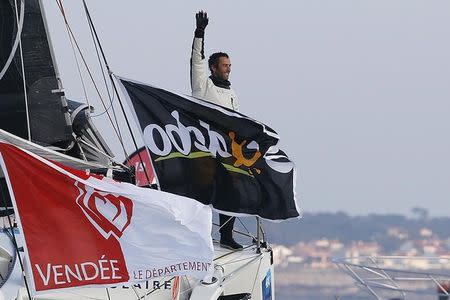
(110, 214)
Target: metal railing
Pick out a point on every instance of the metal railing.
(400, 277)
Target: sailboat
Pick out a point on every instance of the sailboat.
(35, 115)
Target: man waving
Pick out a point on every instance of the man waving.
(215, 88)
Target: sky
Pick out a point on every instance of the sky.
(358, 90)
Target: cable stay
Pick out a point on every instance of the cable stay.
(72, 35)
(116, 91)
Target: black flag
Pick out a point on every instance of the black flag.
(214, 155)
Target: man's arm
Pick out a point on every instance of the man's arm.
(198, 75)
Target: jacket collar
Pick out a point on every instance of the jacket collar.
(223, 83)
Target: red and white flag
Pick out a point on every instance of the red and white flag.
(86, 230)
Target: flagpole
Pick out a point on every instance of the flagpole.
(15, 244)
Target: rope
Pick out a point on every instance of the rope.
(135, 292)
(22, 64)
(107, 109)
(256, 276)
(220, 227)
(248, 231)
(103, 71)
(117, 93)
(103, 153)
(236, 260)
(75, 55)
(61, 8)
(231, 252)
(103, 75)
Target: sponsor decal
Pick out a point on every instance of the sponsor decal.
(143, 274)
(140, 161)
(55, 275)
(174, 141)
(109, 214)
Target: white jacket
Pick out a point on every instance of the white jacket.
(202, 86)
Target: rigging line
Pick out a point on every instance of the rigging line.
(111, 99)
(220, 227)
(233, 261)
(239, 269)
(256, 276)
(16, 247)
(135, 292)
(16, 41)
(231, 252)
(75, 56)
(104, 77)
(22, 63)
(117, 131)
(107, 293)
(86, 66)
(242, 223)
(118, 97)
(104, 154)
(103, 112)
(236, 231)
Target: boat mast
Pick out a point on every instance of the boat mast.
(60, 90)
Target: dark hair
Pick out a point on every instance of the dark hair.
(214, 59)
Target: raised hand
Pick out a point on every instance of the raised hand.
(201, 20)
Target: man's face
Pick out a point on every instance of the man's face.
(223, 68)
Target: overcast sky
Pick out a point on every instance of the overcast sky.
(359, 91)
